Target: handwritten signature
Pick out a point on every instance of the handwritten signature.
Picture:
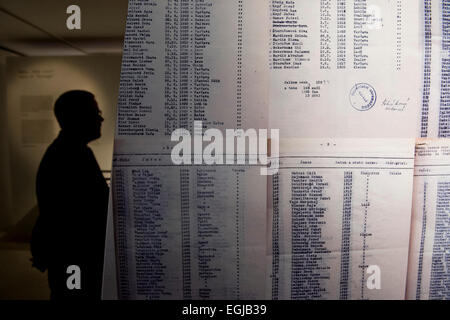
(395, 104)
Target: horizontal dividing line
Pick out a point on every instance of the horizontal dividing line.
(336, 157)
(195, 154)
(251, 165)
(281, 157)
(193, 165)
(368, 168)
(432, 165)
(431, 175)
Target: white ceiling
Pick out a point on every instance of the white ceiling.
(38, 28)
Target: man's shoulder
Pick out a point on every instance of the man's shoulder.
(54, 154)
(62, 150)
(58, 156)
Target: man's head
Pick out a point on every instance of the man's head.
(78, 114)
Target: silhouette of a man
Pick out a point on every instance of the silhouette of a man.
(72, 197)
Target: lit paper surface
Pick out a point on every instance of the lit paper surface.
(340, 208)
(345, 68)
(187, 232)
(339, 71)
(435, 103)
(428, 269)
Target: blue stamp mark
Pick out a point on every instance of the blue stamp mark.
(363, 96)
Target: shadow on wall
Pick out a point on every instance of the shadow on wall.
(18, 280)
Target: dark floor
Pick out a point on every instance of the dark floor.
(18, 280)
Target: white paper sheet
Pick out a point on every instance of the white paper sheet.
(340, 209)
(435, 103)
(428, 268)
(187, 232)
(354, 69)
(312, 69)
(188, 61)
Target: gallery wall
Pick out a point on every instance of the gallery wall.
(5, 182)
(32, 86)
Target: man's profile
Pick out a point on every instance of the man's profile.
(72, 198)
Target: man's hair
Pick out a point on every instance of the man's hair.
(70, 105)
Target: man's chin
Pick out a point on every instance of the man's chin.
(94, 136)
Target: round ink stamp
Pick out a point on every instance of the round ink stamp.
(363, 96)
